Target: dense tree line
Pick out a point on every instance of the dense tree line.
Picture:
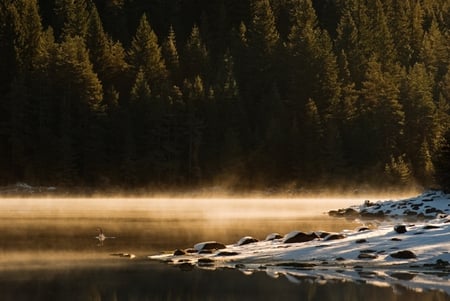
(256, 92)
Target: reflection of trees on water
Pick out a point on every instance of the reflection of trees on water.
(146, 281)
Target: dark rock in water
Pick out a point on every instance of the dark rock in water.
(239, 266)
(227, 253)
(179, 252)
(273, 236)
(340, 259)
(296, 237)
(403, 276)
(205, 261)
(429, 227)
(206, 252)
(210, 245)
(368, 251)
(246, 240)
(396, 239)
(400, 229)
(191, 250)
(362, 229)
(404, 255)
(361, 241)
(322, 234)
(296, 264)
(367, 256)
(334, 236)
(347, 212)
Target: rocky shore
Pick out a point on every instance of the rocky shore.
(412, 254)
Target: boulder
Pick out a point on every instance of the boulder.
(400, 229)
(179, 252)
(273, 236)
(404, 255)
(298, 237)
(362, 229)
(209, 245)
(334, 236)
(246, 240)
(367, 256)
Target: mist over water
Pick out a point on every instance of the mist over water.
(48, 249)
(52, 230)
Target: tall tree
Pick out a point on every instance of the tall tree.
(195, 58)
(145, 53)
(73, 17)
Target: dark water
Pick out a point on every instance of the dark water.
(48, 250)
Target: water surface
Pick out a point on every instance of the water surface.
(48, 249)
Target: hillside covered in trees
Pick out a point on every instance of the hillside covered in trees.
(165, 93)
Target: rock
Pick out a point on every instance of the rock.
(191, 251)
(300, 265)
(273, 236)
(362, 229)
(340, 259)
(429, 227)
(334, 236)
(205, 261)
(403, 276)
(361, 241)
(209, 245)
(404, 255)
(246, 240)
(347, 212)
(367, 256)
(322, 234)
(297, 237)
(396, 239)
(441, 263)
(227, 253)
(400, 229)
(179, 252)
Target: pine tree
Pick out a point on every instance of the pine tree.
(73, 17)
(77, 93)
(422, 132)
(171, 56)
(145, 54)
(195, 58)
(382, 115)
(314, 65)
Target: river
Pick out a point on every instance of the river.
(48, 249)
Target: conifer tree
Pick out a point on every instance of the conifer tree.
(195, 57)
(422, 132)
(73, 16)
(145, 54)
(382, 114)
(171, 56)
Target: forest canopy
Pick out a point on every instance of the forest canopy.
(252, 93)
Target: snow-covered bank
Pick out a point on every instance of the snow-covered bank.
(425, 206)
(410, 255)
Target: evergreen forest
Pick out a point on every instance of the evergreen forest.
(245, 93)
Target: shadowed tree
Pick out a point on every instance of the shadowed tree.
(145, 54)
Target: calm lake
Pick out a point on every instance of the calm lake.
(48, 249)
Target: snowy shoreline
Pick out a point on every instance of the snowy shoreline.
(414, 255)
